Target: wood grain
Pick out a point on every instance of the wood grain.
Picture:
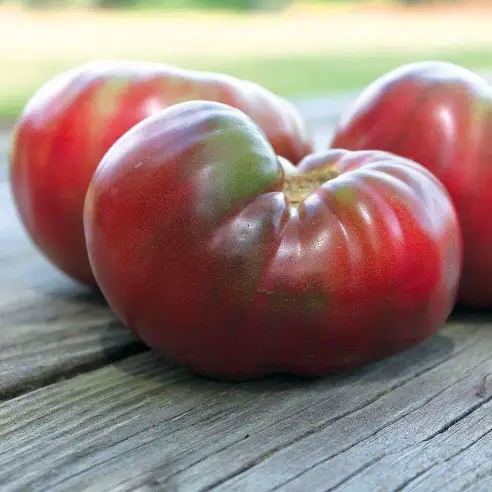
(85, 406)
(50, 327)
(142, 424)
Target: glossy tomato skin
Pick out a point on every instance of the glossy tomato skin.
(439, 115)
(72, 121)
(198, 250)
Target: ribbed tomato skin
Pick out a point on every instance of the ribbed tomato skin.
(439, 115)
(71, 122)
(198, 250)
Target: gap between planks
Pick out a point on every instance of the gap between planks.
(39, 305)
(143, 423)
(50, 327)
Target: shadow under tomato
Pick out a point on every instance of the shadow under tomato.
(418, 359)
(404, 365)
(471, 315)
(72, 292)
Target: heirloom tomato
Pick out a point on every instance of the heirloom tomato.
(440, 115)
(72, 121)
(220, 260)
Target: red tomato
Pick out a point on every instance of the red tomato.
(439, 115)
(72, 121)
(223, 262)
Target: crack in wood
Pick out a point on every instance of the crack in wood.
(155, 427)
(314, 430)
(66, 374)
(426, 471)
(142, 481)
(457, 352)
(454, 421)
(378, 430)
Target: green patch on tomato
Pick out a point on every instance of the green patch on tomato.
(344, 194)
(244, 164)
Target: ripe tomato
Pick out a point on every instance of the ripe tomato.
(72, 121)
(219, 259)
(439, 115)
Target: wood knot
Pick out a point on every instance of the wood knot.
(482, 387)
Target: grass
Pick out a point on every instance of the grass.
(299, 53)
(303, 76)
(290, 76)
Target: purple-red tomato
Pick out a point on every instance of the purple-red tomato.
(222, 261)
(71, 122)
(439, 115)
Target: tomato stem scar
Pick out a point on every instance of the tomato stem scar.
(298, 187)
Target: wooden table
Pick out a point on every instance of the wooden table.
(86, 406)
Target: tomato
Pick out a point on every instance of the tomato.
(72, 121)
(217, 258)
(439, 115)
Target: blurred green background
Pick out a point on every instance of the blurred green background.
(194, 4)
(297, 48)
(167, 4)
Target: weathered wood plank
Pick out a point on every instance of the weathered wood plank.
(404, 444)
(418, 421)
(50, 327)
(141, 424)
(458, 459)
